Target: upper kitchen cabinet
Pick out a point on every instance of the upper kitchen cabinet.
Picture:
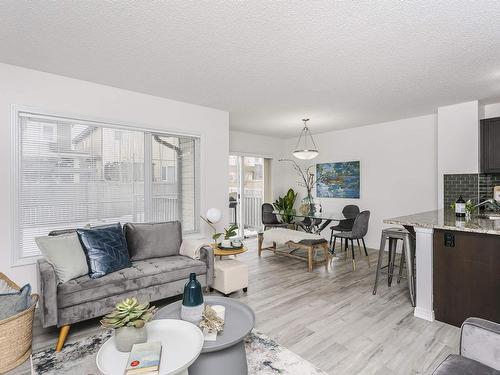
(490, 145)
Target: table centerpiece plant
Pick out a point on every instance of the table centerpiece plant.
(307, 180)
(285, 206)
(128, 321)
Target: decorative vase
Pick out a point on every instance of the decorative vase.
(307, 205)
(126, 337)
(192, 301)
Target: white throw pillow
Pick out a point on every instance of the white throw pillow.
(64, 252)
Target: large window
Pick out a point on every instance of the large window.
(70, 173)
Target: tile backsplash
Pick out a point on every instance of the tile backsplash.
(473, 186)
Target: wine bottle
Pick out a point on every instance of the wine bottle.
(460, 207)
(192, 301)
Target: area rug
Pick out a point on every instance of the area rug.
(264, 356)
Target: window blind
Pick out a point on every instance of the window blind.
(73, 173)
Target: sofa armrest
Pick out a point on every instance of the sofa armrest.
(480, 341)
(207, 256)
(47, 286)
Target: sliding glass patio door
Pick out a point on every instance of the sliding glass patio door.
(247, 185)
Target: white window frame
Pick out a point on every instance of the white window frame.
(17, 258)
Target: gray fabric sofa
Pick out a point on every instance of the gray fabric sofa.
(148, 280)
(479, 350)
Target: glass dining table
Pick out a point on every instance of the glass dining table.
(313, 222)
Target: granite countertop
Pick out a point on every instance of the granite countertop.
(446, 219)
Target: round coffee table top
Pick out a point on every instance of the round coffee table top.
(239, 321)
(181, 345)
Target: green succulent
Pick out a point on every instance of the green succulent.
(129, 313)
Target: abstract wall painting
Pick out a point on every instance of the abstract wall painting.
(338, 180)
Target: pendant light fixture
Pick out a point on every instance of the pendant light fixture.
(306, 148)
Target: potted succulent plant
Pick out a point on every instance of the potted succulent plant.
(128, 321)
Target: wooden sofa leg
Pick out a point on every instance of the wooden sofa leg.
(63, 334)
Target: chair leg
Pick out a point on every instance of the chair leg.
(331, 238)
(401, 266)
(353, 260)
(393, 243)
(364, 246)
(379, 262)
(333, 245)
(63, 334)
(359, 247)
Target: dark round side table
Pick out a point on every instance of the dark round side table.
(227, 354)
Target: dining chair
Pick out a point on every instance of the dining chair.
(358, 232)
(350, 212)
(269, 219)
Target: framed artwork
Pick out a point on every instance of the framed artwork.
(338, 180)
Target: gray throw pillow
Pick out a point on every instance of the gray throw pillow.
(153, 240)
(65, 253)
(13, 303)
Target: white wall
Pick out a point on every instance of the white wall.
(398, 168)
(57, 94)
(490, 110)
(260, 145)
(457, 141)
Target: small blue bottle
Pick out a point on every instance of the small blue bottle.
(192, 300)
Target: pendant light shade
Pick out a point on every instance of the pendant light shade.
(306, 148)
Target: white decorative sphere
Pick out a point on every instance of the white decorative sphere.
(214, 215)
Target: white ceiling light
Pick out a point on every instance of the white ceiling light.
(306, 148)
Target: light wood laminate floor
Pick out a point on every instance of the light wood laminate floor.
(329, 317)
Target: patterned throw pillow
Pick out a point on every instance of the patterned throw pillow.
(105, 248)
(15, 302)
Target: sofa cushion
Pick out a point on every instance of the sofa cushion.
(65, 253)
(153, 240)
(105, 248)
(142, 274)
(458, 365)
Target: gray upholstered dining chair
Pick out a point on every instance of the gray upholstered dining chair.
(358, 232)
(269, 219)
(350, 212)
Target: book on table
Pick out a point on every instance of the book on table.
(144, 359)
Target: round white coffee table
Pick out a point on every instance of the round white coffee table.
(181, 345)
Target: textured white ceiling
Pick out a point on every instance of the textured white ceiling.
(269, 63)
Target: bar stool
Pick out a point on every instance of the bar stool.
(407, 256)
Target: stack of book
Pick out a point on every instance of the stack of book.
(144, 359)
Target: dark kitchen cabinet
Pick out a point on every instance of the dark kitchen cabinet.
(490, 145)
(466, 276)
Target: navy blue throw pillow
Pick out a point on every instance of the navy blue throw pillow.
(105, 248)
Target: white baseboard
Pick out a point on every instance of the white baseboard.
(424, 314)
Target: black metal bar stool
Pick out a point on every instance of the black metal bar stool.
(407, 256)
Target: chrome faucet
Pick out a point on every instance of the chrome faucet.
(491, 202)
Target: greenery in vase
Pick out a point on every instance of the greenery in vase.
(228, 233)
(469, 207)
(129, 313)
(285, 205)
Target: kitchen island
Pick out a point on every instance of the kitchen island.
(457, 265)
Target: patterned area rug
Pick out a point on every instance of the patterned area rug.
(265, 357)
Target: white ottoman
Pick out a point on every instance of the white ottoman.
(230, 276)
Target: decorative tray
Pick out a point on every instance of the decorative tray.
(230, 247)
